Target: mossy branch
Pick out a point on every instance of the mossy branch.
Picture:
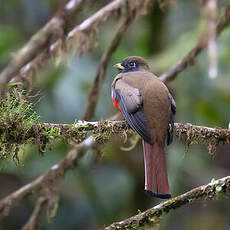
(192, 133)
(214, 190)
(19, 125)
(42, 134)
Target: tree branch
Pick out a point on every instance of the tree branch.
(52, 31)
(45, 185)
(215, 189)
(33, 221)
(103, 130)
(211, 137)
(188, 59)
(80, 36)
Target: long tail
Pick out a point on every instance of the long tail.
(156, 178)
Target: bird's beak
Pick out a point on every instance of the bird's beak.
(118, 66)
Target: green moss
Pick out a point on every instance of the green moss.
(54, 132)
(16, 120)
(139, 211)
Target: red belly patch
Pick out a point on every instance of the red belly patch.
(116, 103)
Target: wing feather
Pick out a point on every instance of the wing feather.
(131, 104)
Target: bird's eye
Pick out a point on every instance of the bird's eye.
(132, 64)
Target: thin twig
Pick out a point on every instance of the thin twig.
(33, 221)
(202, 43)
(100, 75)
(213, 190)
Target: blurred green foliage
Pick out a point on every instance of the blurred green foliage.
(102, 190)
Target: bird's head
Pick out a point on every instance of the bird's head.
(133, 63)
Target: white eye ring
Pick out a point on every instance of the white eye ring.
(132, 64)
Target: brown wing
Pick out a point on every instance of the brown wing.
(131, 104)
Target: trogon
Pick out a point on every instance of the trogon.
(149, 109)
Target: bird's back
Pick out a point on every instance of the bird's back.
(156, 101)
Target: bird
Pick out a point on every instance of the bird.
(149, 109)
